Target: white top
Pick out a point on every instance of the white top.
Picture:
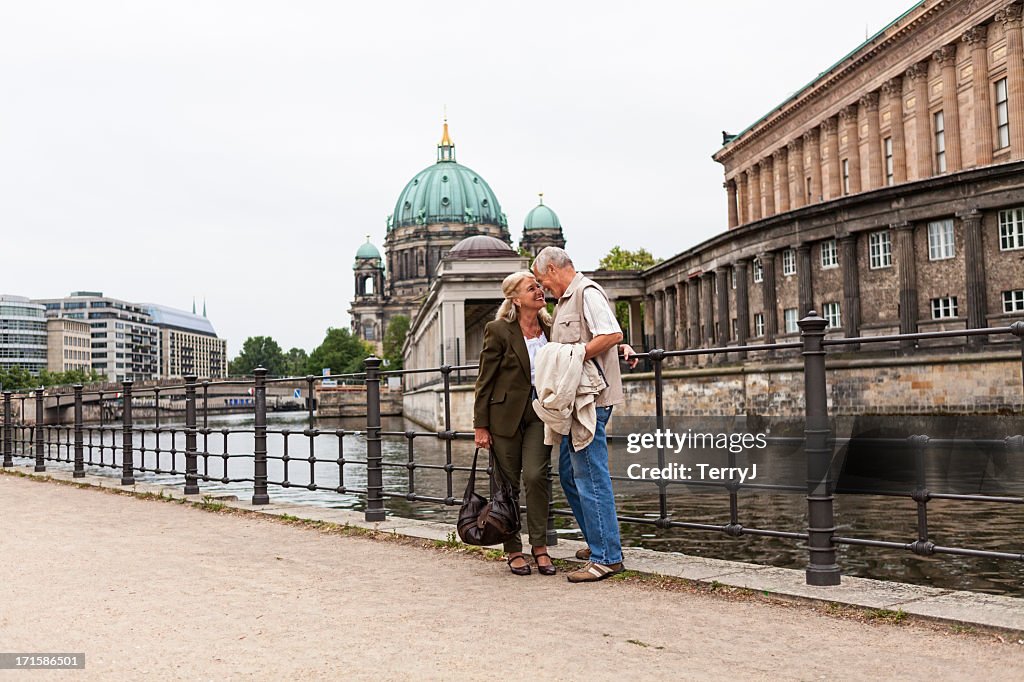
(598, 313)
(532, 346)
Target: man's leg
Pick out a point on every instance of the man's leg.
(568, 481)
(596, 498)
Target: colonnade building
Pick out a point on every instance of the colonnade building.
(887, 194)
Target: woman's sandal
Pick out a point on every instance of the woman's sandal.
(549, 569)
(520, 570)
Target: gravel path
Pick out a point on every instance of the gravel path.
(166, 591)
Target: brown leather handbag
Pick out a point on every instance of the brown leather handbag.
(483, 522)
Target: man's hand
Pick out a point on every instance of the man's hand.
(627, 353)
(482, 437)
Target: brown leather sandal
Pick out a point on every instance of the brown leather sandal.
(521, 570)
(542, 569)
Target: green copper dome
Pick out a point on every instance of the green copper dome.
(367, 250)
(540, 217)
(447, 192)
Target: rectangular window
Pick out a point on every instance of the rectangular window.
(1002, 116)
(790, 316)
(943, 308)
(1013, 301)
(940, 142)
(758, 324)
(735, 329)
(880, 248)
(809, 197)
(1011, 229)
(940, 239)
(888, 160)
(789, 262)
(829, 255)
(732, 276)
(846, 176)
(832, 316)
(758, 270)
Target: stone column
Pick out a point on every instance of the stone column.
(724, 321)
(707, 285)
(636, 330)
(650, 321)
(730, 194)
(795, 152)
(1010, 17)
(893, 88)
(849, 118)
(908, 279)
(680, 328)
(742, 209)
(830, 129)
(742, 304)
(670, 317)
(754, 187)
(918, 75)
(805, 289)
(659, 319)
(977, 38)
(812, 143)
(769, 297)
(693, 311)
(946, 57)
(974, 262)
(780, 158)
(768, 189)
(851, 285)
(869, 103)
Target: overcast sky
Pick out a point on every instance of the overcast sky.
(241, 151)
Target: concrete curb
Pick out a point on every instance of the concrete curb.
(978, 611)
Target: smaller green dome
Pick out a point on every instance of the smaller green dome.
(541, 217)
(368, 250)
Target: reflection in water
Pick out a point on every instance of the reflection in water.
(951, 523)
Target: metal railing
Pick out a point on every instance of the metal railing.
(111, 444)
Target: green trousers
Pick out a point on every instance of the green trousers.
(525, 456)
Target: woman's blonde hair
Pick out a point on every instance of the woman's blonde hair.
(510, 289)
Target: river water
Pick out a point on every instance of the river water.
(951, 523)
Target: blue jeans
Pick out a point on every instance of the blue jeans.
(587, 483)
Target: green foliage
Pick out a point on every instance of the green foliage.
(296, 360)
(258, 351)
(340, 351)
(394, 339)
(624, 259)
(20, 379)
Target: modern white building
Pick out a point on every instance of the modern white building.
(69, 345)
(188, 344)
(22, 334)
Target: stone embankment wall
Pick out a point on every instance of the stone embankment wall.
(350, 401)
(976, 383)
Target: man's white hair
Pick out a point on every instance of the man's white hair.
(551, 255)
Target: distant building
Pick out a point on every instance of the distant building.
(125, 342)
(188, 344)
(541, 229)
(22, 334)
(69, 345)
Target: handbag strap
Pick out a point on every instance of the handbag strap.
(472, 472)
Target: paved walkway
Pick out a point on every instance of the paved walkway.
(168, 591)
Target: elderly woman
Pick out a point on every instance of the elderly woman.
(503, 414)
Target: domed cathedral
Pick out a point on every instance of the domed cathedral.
(439, 207)
(540, 229)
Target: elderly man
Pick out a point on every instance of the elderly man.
(584, 315)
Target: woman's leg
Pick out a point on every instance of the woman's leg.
(508, 457)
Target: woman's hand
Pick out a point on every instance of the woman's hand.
(482, 437)
(627, 353)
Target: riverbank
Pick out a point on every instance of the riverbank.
(167, 590)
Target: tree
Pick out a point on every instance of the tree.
(20, 379)
(624, 259)
(341, 352)
(394, 339)
(296, 361)
(258, 351)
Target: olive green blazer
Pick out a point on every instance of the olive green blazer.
(503, 384)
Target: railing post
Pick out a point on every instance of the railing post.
(8, 462)
(79, 440)
(822, 569)
(127, 463)
(40, 462)
(191, 467)
(259, 492)
(374, 470)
